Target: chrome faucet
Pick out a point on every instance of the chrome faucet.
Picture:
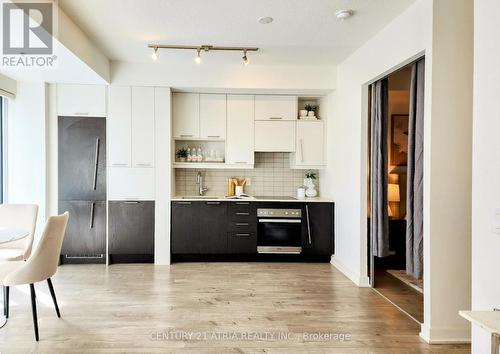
(199, 182)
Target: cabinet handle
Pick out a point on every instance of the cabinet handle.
(213, 203)
(119, 164)
(143, 164)
(241, 224)
(308, 224)
(92, 215)
(183, 203)
(242, 213)
(130, 202)
(186, 135)
(241, 162)
(213, 136)
(96, 163)
(275, 117)
(242, 203)
(301, 151)
(81, 113)
(243, 235)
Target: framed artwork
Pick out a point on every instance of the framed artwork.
(399, 140)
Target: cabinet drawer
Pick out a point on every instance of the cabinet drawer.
(242, 225)
(242, 242)
(242, 211)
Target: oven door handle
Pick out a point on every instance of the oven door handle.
(286, 221)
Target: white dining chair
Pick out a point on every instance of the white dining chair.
(18, 216)
(40, 266)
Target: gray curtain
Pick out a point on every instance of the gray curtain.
(415, 186)
(379, 224)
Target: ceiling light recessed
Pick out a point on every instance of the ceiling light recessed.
(266, 20)
(344, 14)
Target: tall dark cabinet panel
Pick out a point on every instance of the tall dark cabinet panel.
(131, 231)
(318, 238)
(82, 187)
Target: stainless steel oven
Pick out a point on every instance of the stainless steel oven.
(279, 231)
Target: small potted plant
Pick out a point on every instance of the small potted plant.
(181, 154)
(309, 184)
(311, 110)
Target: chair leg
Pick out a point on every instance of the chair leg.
(33, 309)
(53, 294)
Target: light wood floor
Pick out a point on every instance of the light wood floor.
(130, 308)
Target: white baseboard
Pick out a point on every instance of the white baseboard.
(445, 335)
(355, 277)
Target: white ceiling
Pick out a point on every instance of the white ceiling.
(303, 31)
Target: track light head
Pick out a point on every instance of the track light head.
(154, 56)
(245, 58)
(197, 59)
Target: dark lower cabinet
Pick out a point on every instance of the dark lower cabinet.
(131, 231)
(230, 227)
(242, 242)
(199, 227)
(85, 238)
(212, 221)
(185, 228)
(318, 230)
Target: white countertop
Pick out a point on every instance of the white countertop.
(487, 320)
(249, 199)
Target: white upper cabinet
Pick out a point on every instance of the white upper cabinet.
(120, 126)
(143, 126)
(81, 100)
(185, 115)
(240, 130)
(310, 148)
(275, 107)
(212, 116)
(274, 136)
(131, 126)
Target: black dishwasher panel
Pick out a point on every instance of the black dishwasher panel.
(131, 231)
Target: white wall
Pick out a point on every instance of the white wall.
(486, 165)
(26, 147)
(235, 76)
(408, 36)
(447, 199)
(440, 29)
(163, 174)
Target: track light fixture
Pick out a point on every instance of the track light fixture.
(245, 58)
(155, 53)
(204, 47)
(198, 57)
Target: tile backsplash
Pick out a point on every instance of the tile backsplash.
(271, 176)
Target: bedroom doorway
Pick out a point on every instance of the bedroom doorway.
(395, 144)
